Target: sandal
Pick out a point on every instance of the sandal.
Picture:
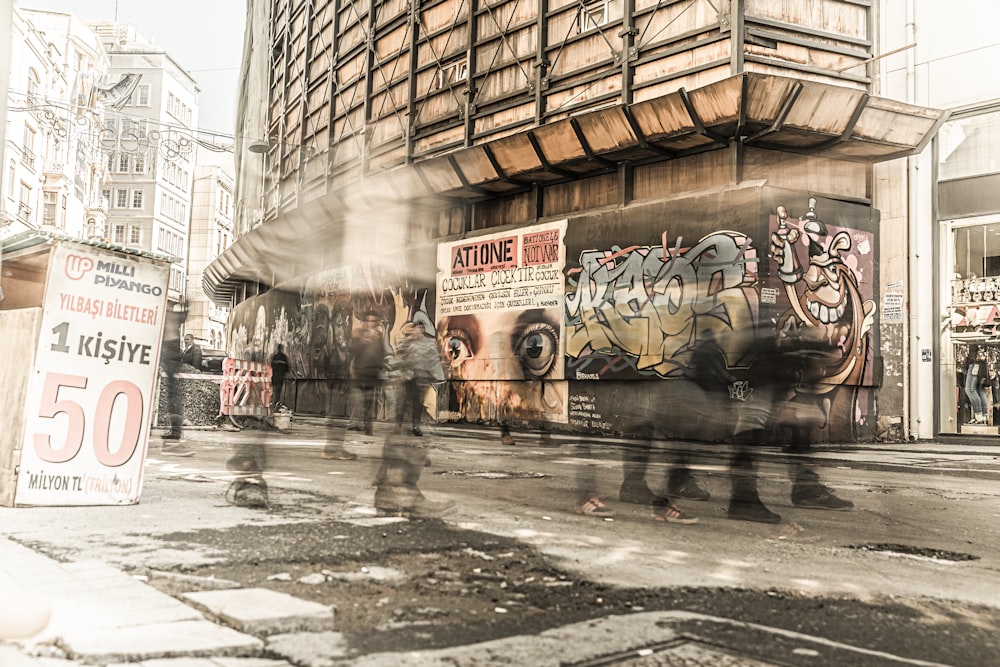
(674, 514)
(594, 507)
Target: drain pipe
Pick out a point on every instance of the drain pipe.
(911, 332)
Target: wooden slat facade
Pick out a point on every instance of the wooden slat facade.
(363, 86)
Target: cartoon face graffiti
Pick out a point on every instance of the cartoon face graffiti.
(829, 308)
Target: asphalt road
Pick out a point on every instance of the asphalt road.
(911, 572)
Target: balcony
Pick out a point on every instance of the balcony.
(54, 168)
(23, 212)
(28, 158)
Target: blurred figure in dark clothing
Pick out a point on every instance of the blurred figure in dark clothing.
(170, 364)
(418, 361)
(279, 370)
(764, 409)
(369, 363)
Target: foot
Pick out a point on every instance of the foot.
(248, 493)
(639, 494)
(338, 454)
(594, 507)
(417, 431)
(687, 487)
(242, 464)
(820, 498)
(428, 509)
(176, 449)
(507, 440)
(673, 514)
(749, 510)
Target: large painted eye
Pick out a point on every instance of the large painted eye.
(457, 346)
(537, 348)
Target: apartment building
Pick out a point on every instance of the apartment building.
(53, 162)
(150, 150)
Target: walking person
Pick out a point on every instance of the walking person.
(368, 367)
(419, 363)
(368, 351)
(170, 365)
(279, 370)
(763, 410)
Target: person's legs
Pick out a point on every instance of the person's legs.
(588, 501)
(808, 491)
(415, 398)
(975, 397)
(368, 406)
(744, 501)
(275, 392)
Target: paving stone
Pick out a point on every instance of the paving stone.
(160, 640)
(312, 649)
(263, 612)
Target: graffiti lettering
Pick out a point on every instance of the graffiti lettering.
(648, 304)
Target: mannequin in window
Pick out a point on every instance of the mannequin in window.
(975, 381)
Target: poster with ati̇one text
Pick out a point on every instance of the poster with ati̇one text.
(500, 320)
(90, 394)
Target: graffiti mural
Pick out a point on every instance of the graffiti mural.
(826, 276)
(638, 311)
(499, 300)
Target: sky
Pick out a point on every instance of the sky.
(205, 37)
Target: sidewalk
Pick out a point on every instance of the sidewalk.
(102, 616)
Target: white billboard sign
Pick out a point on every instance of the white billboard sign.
(89, 401)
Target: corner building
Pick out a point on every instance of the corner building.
(570, 193)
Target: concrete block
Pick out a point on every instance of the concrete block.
(262, 612)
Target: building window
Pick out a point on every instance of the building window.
(452, 73)
(119, 236)
(122, 163)
(137, 198)
(121, 198)
(595, 14)
(106, 196)
(28, 148)
(134, 234)
(139, 166)
(49, 212)
(142, 96)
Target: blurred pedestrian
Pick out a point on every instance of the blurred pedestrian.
(397, 491)
(763, 411)
(369, 367)
(418, 362)
(279, 370)
(680, 482)
(369, 363)
(170, 365)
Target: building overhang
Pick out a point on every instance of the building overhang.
(755, 110)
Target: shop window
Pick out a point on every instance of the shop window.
(969, 147)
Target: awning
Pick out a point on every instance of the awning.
(753, 109)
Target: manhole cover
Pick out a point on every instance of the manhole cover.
(916, 552)
(683, 654)
(492, 474)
